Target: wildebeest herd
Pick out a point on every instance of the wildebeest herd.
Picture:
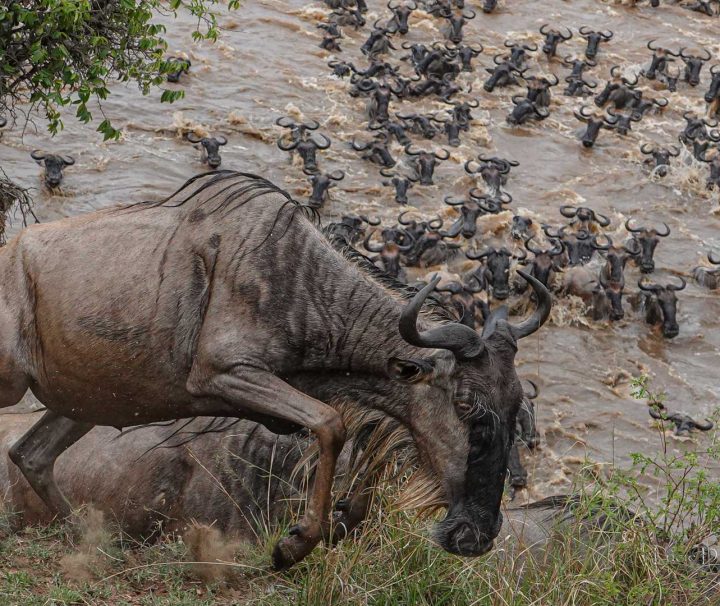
(164, 352)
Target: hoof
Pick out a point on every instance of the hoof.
(291, 550)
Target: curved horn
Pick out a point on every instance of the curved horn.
(286, 122)
(411, 152)
(534, 392)
(435, 223)
(683, 284)
(543, 29)
(715, 260)
(648, 287)
(69, 160)
(647, 149)
(462, 340)
(221, 140)
(366, 243)
(585, 30)
(355, 145)
(544, 305)
(673, 151)
(475, 255)
(37, 155)
(450, 202)
(568, 211)
(602, 220)
(634, 230)
(337, 175)
(569, 34)
(608, 35)
(284, 147)
(322, 145)
(442, 157)
(598, 246)
(403, 222)
(667, 231)
(469, 14)
(650, 45)
(532, 248)
(193, 138)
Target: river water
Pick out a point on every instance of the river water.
(268, 63)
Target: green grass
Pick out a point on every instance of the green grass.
(641, 558)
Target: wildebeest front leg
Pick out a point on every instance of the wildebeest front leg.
(35, 454)
(261, 392)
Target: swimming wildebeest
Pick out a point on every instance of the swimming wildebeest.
(53, 164)
(210, 148)
(185, 309)
(661, 306)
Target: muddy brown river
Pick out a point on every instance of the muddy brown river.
(267, 63)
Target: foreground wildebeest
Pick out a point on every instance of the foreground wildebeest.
(53, 164)
(706, 276)
(647, 239)
(210, 147)
(660, 305)
(186, 310)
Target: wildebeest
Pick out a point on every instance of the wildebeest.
(503, 74)
(611, 278)
(462, 297)
(518, 52)
(660, 304)
(494, 171)
(466, 223)
(584, 217)
(647, 239)
(321, 184)
(178, 67)
(401, 14)
(684, 423)
(660, 156)
(376, 151)
(622, 123)
(553, 37)
(394, 242)
(696, 127)
(425, 162)
(401, 183)
(351, 228)
(526, 433)
(497, 269)
(456, 23)
(578, 87)
(54, 165)
(307, 148)
(525, 110)
(538, 89)
(712, 157)
(706, 276)
(713, 93)
(694, 65)
(186, 310)
(544, 263)
(659, 60)
(594, 123)
(594, 38)
(579, 244)
(210, 147)
(578, 65)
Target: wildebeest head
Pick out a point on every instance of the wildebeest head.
(622, 123)
(462, 297)
(466, 223)
(503, 74)
(713, 159)
(544, 262)
(538, 89)
(578, 244)
(526, 425)
(321, 184)
(694, 65)
(662, 306)
(419, 124)
(612, 292)
(661, 156)
(489, 6)
(579, 87)
(494, 171)
(395, 242)
(401, 183)
(525, 109)
(452, 129)
(659, 60)
(376, 151)
(176, 67)
(553, 37)
(593, 39)
(521, 228)
(425, 162)
(594, 123)
(648, 240)
(578, 65)
(616, 257)
(466, 53)
(456, 23)
(351, 228)
(480, 382)
(377, 42)
(584, 216)
(210, 147)
(684, 423)
(714, 90)
(696, 127)
(401, 14)
(53, 164)
(518, 52)
(298, 130)
(497, 269)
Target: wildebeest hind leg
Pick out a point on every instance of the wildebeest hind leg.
(35, 454)
(257, 391)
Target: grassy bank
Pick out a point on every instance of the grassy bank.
(632, 538)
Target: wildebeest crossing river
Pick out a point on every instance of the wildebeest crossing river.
(268, 64)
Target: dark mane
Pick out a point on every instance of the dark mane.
(239, 189)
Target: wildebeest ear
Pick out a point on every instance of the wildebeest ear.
(410, 371)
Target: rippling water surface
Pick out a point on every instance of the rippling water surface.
(268, 63)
